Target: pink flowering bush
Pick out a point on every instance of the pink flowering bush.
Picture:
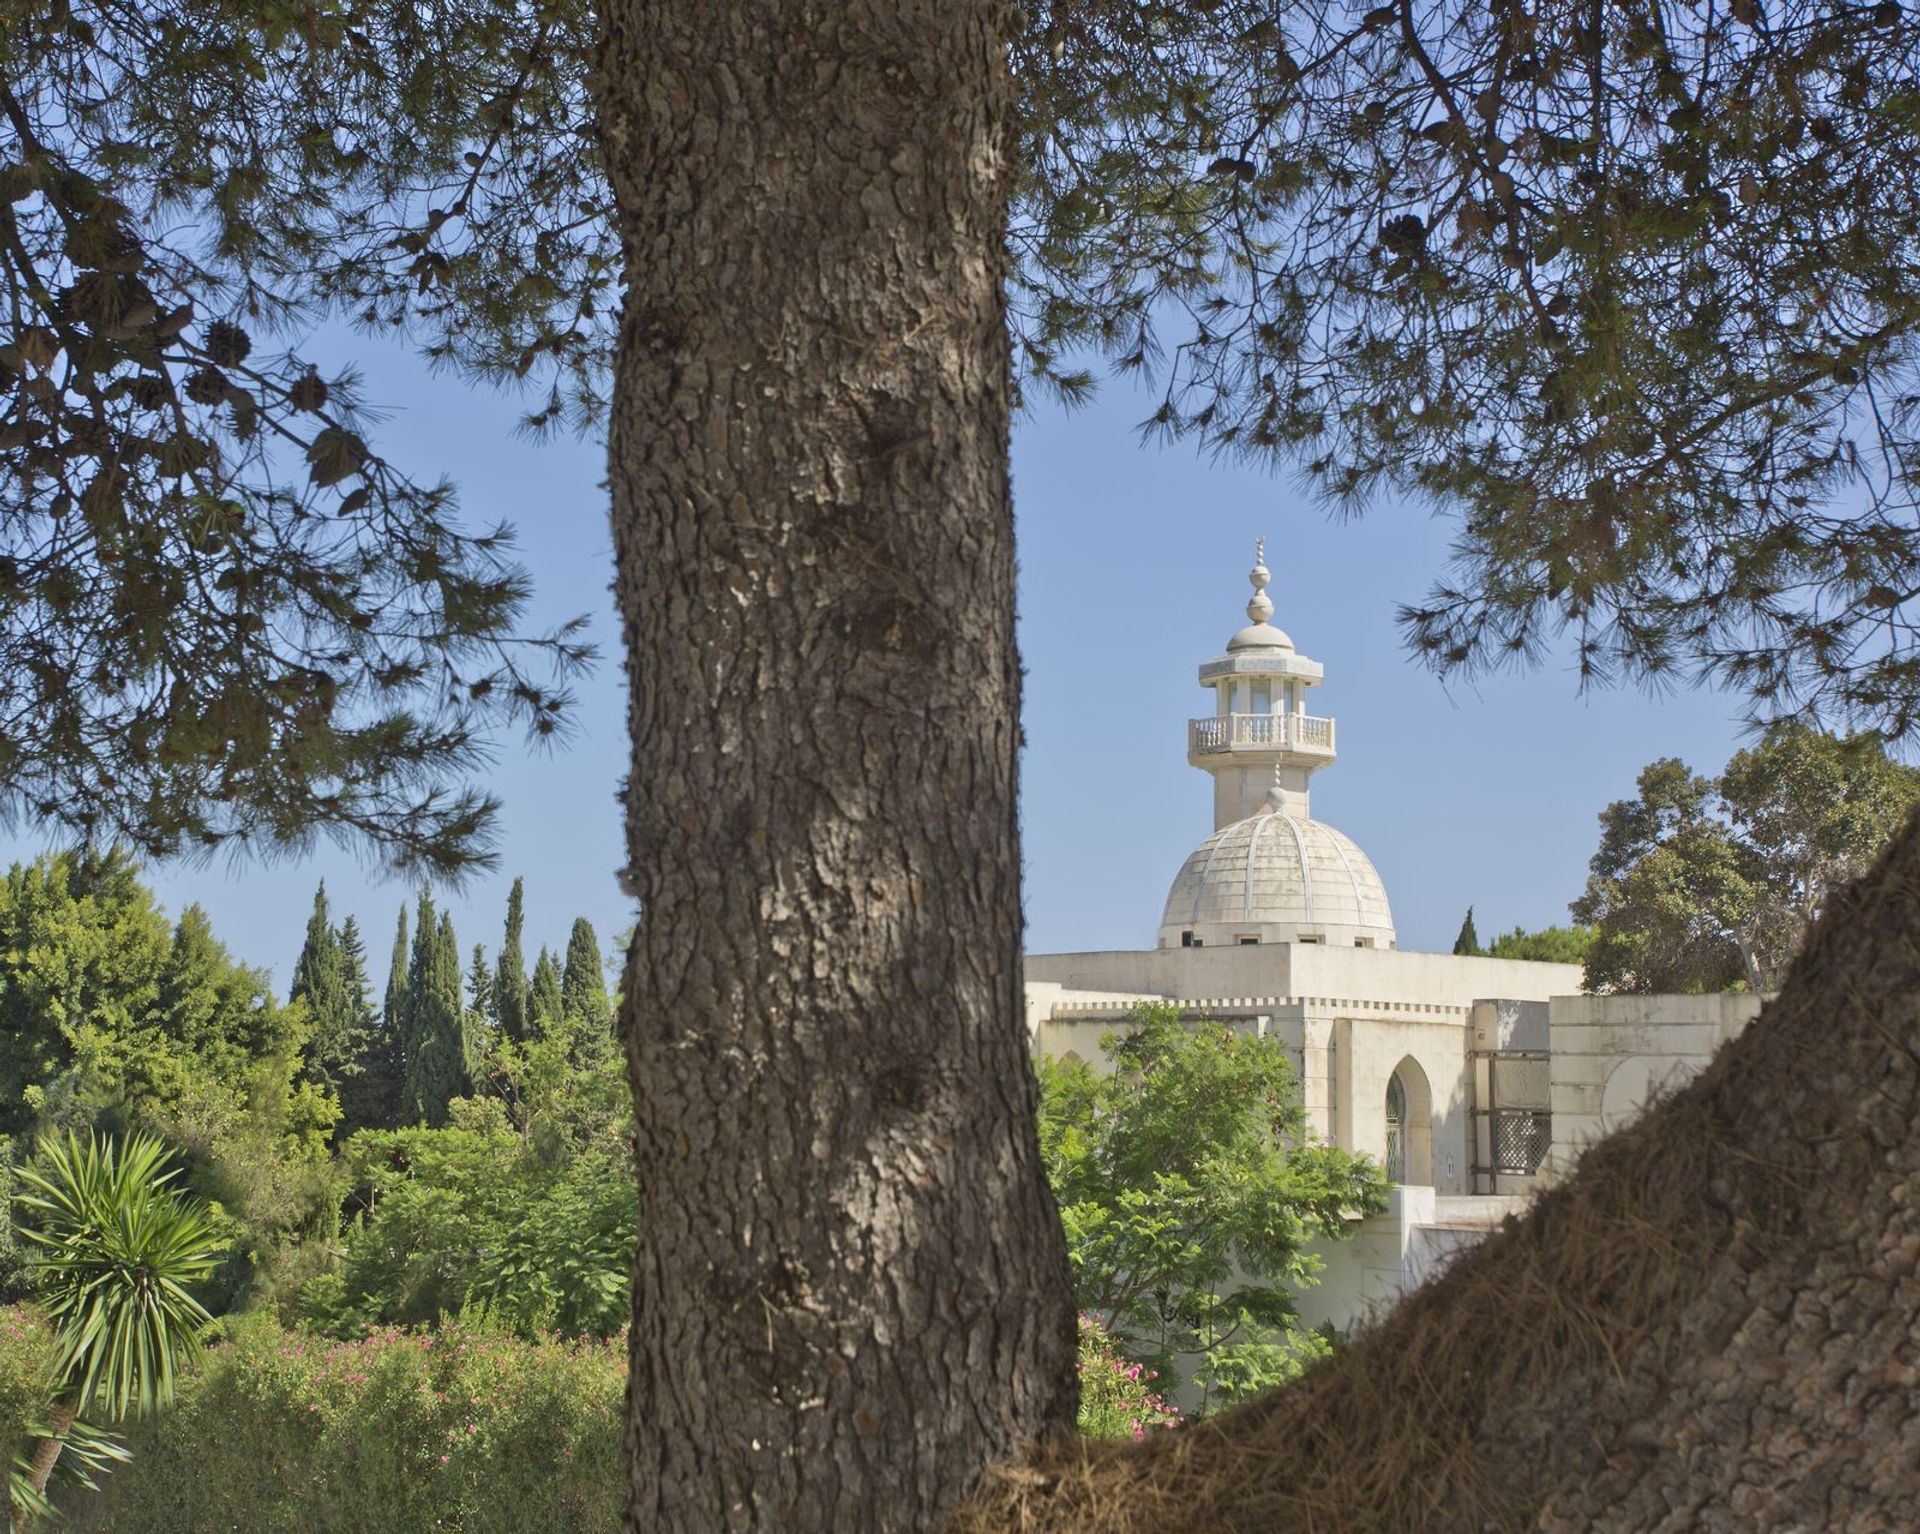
(463, 1430)
(1117, 1398)
(26, 1376)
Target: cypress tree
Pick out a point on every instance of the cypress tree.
(480, 987)
(355, 983)
(372, 1081)
(583, 994)
(478, 1027)
(546, 1006)
(320, 981)
(435, 1037)
(1467, 944)
(510, 979)
(394, 1014)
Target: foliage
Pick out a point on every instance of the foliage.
(510, 978)
(1467, 944)
(481, 1215)
(546, 1001)
(106, 1015)
(29, 1378)
(583, 994)
(224, 618)
(257, 1151)
(1117, 1398)
(465, 1431)
(1634, 287)
(28, 1362)
(433, 1037)
(375, 1098)
(118, 1250)
(1549, 945)
(1705, 885)
(1189, 1189)
(330, 977)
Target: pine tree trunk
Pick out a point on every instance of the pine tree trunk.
(851, 1293)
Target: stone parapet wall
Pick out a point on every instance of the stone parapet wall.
(1612, 1055)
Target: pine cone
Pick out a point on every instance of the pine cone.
(228, 344)
(208, 386)
(308, 393)
(150, 392)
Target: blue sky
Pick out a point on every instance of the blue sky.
(1133, 572)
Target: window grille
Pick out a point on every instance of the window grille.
(1396, 1129)
(1520, 1141)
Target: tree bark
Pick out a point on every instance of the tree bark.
(46, 1454)
(851, 1294)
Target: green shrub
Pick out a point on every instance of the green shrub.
(1117, 1398)
(474, 1216)
(464, 1430)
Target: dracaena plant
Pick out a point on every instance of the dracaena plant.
(118, 1251)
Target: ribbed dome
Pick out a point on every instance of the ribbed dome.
(1279, 878)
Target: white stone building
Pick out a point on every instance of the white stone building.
(1448, 1071)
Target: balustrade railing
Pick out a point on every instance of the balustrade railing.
(1254, 732)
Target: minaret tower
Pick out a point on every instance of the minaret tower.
(1260, 743)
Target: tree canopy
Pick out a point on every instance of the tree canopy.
(1190, 1189)
(224, 617)
(1629, 288)
(1710, 884)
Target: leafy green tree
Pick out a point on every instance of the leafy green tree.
(477, 1028)
(480, 988)
(355, 979)
(1467, 944)
(83, 947)
(510, 1005)
(108, 1017)
(546, 1000)
(362, 1030)
(1549, 945)
(1705, 885)
(118, 1252)
(1189, 1188)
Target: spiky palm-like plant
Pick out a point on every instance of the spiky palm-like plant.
(118, 1248)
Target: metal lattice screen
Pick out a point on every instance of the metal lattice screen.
(1520, 1142)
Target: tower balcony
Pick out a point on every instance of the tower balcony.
(1225, 734)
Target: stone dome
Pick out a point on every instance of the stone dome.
(1277, 878)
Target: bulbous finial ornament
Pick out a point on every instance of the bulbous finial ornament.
(1260, 605)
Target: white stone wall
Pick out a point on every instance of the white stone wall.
(1612, 1055)
(1350, 977)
